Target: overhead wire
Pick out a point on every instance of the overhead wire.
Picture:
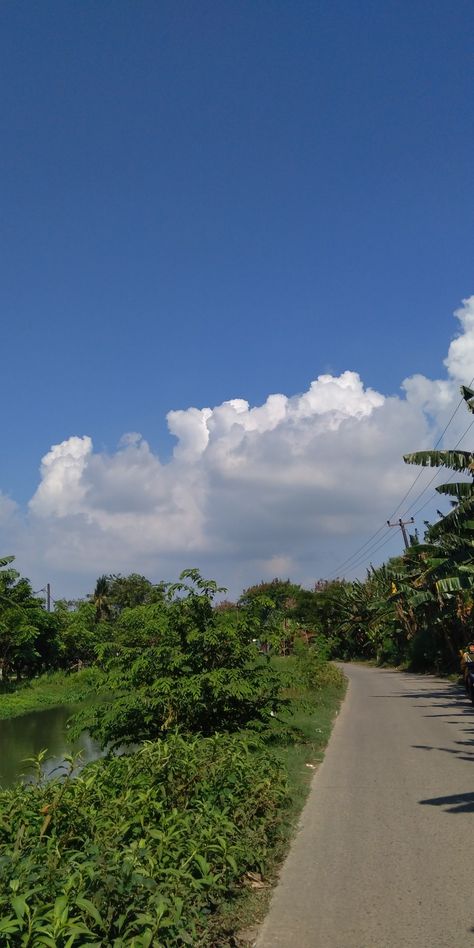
(356, 552)
(363, 559)
(420, 472)
(379, 546)
(436, 474)
(450, 480)
(356, 556)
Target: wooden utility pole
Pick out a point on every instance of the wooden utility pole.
(402, 524)
(48, 597)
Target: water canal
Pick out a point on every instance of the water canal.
(25, 736)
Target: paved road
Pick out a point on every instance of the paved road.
(384, 857)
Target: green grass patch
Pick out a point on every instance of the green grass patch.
(312, 712)
(50, 690)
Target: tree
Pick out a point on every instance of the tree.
(126, 592)
(26, 631)
(81, 635)
(273, 604)
(100, 599)
(418, 607)
(198, 671)
(281, 592)
(318, 610)
(432, 585)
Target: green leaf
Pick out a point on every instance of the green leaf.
(456, 460)
(460, 489)
(449, 585)
(468, 396)
(19, 906)
(9, 925)
(186, 938)
(87, 906)
(60, 906)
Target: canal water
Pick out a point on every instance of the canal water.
(25, 736)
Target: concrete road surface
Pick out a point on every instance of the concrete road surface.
(384, 856)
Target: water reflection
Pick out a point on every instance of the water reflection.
(27, 735)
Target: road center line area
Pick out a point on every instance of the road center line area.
(384, 853)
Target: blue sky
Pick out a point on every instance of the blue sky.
(203, 202)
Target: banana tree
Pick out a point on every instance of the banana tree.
(366, 615)
(443, 568)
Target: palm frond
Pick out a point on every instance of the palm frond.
(468, 396)
(455, 460)
(452, 584)
(460, 489)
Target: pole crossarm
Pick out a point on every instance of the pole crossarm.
(402, 524)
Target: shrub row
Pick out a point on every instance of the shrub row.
(137, 850)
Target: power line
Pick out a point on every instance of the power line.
(356, 552)
(377, 548)
(361, 559)
(402, 524)
(374, 548)
(432, 497)
(420, 495)
(420, 472)
(347, 563)
(436, 474)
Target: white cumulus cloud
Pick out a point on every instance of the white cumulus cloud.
(290, 486)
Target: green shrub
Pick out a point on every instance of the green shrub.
(312, 666)
(138, 850)
(195, 668)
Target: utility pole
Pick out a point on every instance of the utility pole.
(402, 524)
(48, 597)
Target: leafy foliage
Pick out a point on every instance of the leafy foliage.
(28, 634)
(127, 592)
(182, 664)
(419, 608)
(100, 599)
(137, 850)
(143, 849)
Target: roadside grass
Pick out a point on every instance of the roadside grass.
(48, 691)
(312, 711)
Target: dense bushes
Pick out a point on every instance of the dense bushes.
(137, 850)
(146, 848)
(193, 667)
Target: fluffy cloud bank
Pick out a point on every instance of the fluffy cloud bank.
(290, 487)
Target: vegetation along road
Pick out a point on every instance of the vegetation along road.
(384, 854)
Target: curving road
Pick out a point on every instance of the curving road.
(384, 856)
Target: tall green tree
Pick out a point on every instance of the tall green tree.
(198, 670)
(126, 592)
(81, 635)
(28, 634)
(101, 599)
